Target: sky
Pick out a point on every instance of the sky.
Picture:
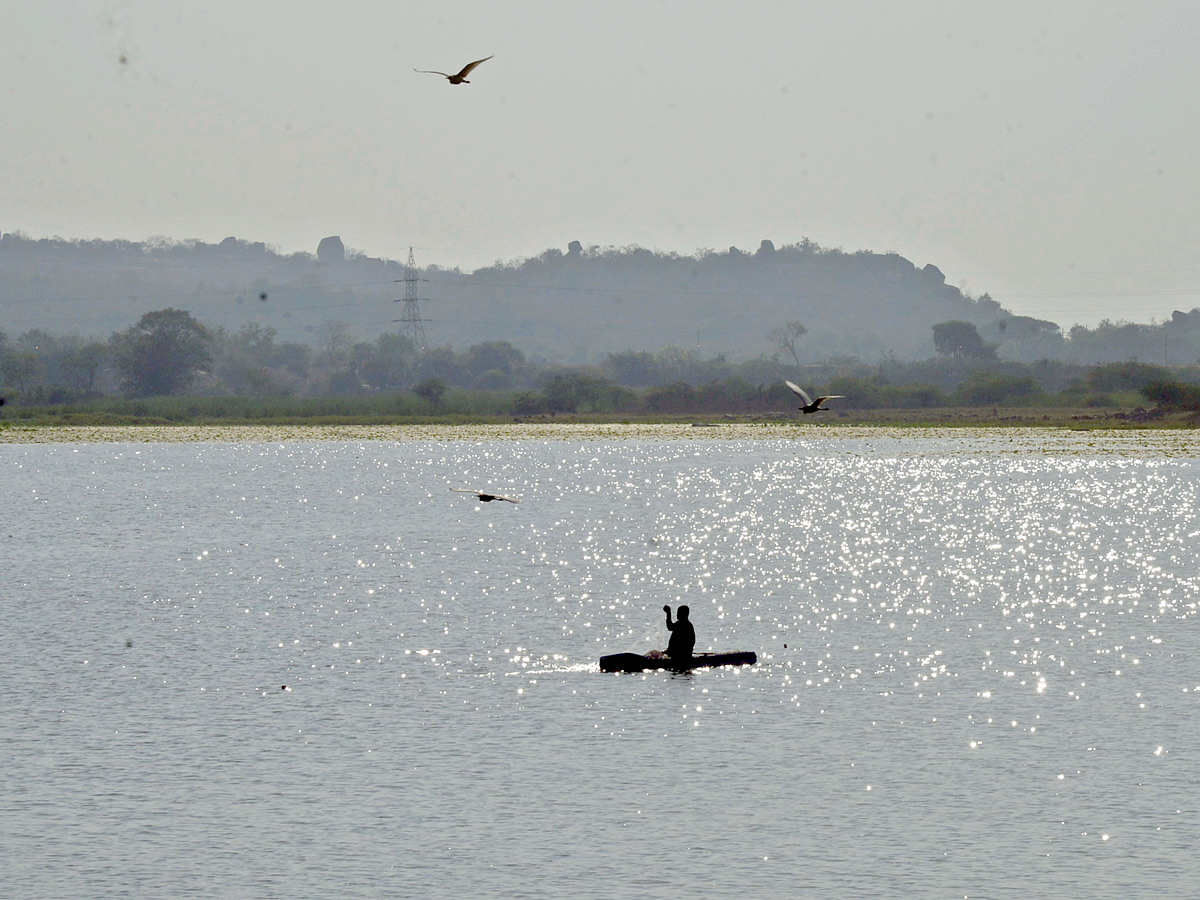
(1043, 153)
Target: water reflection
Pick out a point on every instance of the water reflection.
(1005, 637)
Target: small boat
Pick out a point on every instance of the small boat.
(636, 662)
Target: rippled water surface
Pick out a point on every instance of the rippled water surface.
(264, 666)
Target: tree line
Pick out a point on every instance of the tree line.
(168, 353)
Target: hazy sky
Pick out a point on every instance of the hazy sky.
(1046, 153)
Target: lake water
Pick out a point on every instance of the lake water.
(296, 664)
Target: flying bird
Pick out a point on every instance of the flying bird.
(484, 498)
(460, 77)
(810, 405)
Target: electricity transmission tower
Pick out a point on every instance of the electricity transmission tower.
(410, 320)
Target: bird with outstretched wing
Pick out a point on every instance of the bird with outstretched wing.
(809, 405)
(484, 497)
(459, 77)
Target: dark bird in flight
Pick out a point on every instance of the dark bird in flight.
(484, 498)
(460, 77)
(810, 405)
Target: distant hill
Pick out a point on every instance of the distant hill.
(94, 288)
(568, 307)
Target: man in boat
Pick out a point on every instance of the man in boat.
(683, 635)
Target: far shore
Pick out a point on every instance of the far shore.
(842, 423)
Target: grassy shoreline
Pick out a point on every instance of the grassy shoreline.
(938, 418)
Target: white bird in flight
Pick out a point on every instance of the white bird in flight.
(459, 77)
(810, 405)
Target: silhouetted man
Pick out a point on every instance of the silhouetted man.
(683, 635)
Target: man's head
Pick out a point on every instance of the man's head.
(682, 612)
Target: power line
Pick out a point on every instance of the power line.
(468, 281)
(163, 295)
(412, 319)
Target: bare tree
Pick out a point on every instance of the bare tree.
(334, 336)
(785, 337)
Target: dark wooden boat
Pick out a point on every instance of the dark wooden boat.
(635, 662)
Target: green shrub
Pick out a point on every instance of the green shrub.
(983, 388)
(1173, 395)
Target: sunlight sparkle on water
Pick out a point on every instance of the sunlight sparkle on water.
(993, 626)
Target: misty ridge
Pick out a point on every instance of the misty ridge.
(572, 307)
